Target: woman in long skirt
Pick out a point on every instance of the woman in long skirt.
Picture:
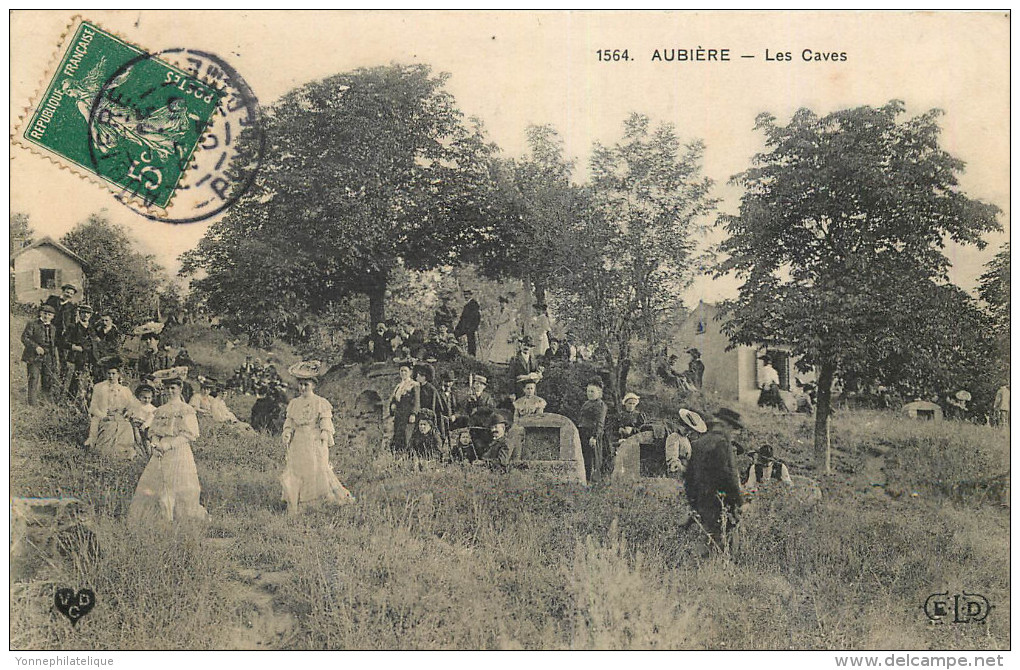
(169, 486)
(405, 403)
(112, 405)
(308, 435)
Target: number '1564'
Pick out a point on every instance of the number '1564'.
(607, 55)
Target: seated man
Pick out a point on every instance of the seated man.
(764, 469)
(443, 346)
(501, 454)
(552, 355)
(270, 409)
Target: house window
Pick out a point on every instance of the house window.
(47, 278)
(700, 328)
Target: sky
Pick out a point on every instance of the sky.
(512, 69)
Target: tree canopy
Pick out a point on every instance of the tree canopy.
(534, 209)
(120, 279)
(994, 292)
(21, 231)
(841, 215)
(632, 248)
(994, 288)
(362, 170)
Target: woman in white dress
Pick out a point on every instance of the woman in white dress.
(112, 405)
(208, 402)
(529, 404)
(504, 337)
(308, 435)
(169, 486)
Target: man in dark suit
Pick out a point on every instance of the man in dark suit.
(65, 311)
(40, 355)
(106, 337)
(711, 482)
(695, 368)
(479, 407)
(523, 363)
(470, 320)
(378, 343)
(450, 400)
(445, 313)
(77, 352)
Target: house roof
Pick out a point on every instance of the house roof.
(56, 245)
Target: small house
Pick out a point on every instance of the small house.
(733, 374)
(41, 268)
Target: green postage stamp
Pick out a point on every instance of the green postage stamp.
(122, 114)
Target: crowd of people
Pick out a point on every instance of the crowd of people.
(65, 351)
(432, 420)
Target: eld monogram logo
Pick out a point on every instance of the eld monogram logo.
(964, 607)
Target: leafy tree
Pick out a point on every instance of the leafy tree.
(839, 214)
(632, 253)
(994, 289)
(932, 341)
(21, 231)
(994, 292)
(120, 278)
(363, 170)
(535, 207)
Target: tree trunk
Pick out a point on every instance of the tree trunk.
(823, 408)
(624, 371)
(377, 301)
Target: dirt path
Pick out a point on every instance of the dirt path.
(258, 625)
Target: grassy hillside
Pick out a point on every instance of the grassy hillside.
(457, 557)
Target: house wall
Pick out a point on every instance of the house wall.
(26, 273)
(733, 374)
(730, 374)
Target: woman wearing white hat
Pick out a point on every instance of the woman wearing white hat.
(169, 486)
(308, 435)
(629, 420)
(678, 443)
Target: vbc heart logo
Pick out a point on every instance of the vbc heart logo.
(74, 605)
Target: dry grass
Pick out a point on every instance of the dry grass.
(461, 558)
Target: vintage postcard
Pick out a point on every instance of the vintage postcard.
(511, 330)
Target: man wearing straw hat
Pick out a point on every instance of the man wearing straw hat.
(678, 443)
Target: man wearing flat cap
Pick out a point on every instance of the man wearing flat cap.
(711, 475)
(479, 406)
(65, 309)
(40, 355)
(77, 353)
